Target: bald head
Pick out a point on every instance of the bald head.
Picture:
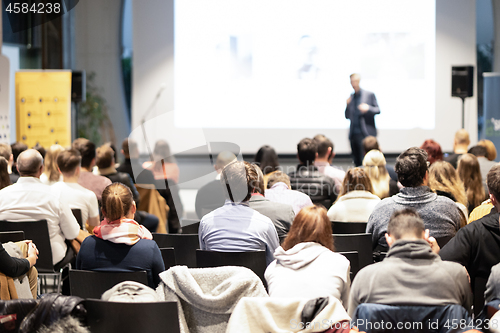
(29, 163)
(223, 159)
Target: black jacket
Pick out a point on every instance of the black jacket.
(124, 178)
(308, 180)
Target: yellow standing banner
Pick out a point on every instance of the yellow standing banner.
(43, 108)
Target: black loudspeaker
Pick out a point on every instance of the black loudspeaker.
(462, 81)
(78, 91)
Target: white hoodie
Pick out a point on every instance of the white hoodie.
(309, 270)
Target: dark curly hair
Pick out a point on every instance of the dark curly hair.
(411, 167)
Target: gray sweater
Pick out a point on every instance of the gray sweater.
(411, 274)
(440, 214)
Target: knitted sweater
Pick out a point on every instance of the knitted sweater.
(440, 214)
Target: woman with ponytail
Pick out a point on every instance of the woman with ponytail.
(119, 243)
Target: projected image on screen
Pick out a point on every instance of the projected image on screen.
(286, 63)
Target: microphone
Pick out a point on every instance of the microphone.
(163, 86)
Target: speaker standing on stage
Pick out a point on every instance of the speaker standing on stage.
(361, 110)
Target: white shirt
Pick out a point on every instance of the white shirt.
(336, 174)
(45, 180)
(280, 192)
(354, 206)
(78, 197)
(29, 199)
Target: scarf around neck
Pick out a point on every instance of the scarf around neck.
(123, 231)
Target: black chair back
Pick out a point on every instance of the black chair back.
(108, 317)
(362, 243)
(479, 289)
(254, 260)
(11, 236)
(190, 226)
(92, 284)
(78, 215)
(348, 227)
(168, 255)
(38, 232)
(353, 258)
(185, 246)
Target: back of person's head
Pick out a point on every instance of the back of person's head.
(470, 173)
(18, 148)
(86, 149)
(68, 161)
(370, 143)
(462, 137)
(40, 149)
(493, 181)
(235, 180)
(491, 151)
(478, 151)
(374, 165)
(104, 156)
(223, 159)
(443, 177)
(411, 166)
(4, 173)
(278, 177)
(51, 164)
(267, 159)
(256, 178)
(405, 223)
(117, 200)
(5, 151)
(355, 179)
(29, 163)
(310, 225)
(162, 151)
(307, 150)
(433, 149)
(129, 148)
(324, 144)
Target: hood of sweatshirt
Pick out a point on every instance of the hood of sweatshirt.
(411, 249)
(300, 255)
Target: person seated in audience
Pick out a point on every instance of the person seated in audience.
(267, 159)
(470, 174)
(4, 173)
(16, 267)
(307, 178)
(444, 180)
(324, 160)
(306, 265)
(440, 214)
(281, 214)
(17, 148)
(77, 196)
(279, 190)
(375, 167)
(370, 143)
(30, 200)
(483, 209)
(411, 273)
(120, 244)
(484, 163)
(6, 152)
(87, 179)
(50, 173)
(164, 165)
(493, 285)
(235, 226)
(491, 151)
(211, 196)
(477, 245)
(356, 200)
(433, 149)
(460, 146)
(38, 147)
(131, 164)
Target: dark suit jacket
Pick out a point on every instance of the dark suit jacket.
(367, 119)
(282, 215)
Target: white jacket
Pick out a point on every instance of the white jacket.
(355, 206)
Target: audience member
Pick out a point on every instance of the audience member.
(493, 285)
(491, 151)
(4, 173)
(484, 164)
(279, 190)
(444, 180)
(477, 245)
(375, 166)
(267, 159)
(120, 244)
(306, 265)
(50, 173)
(440, 214)
(17, 148)
(371, 143)
(460, 146)
(470, 174)
(324, 160)
(16, 267)
(38, 147)
(132, 166)
(411, 273)
(235, 226)
(29, 199)
(356, 200)
(87, 179)
(433, 149)
(211, 195)
(281, 215)
(6, 152)
(164, 165)
(483, 209)
(307, 179)
(77, 196)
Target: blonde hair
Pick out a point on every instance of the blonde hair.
(374, 165)
(462, 137)
(491, 151)
(469, 172)
(443, 177)
(51, 163)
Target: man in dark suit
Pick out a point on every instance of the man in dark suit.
(361, 110)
